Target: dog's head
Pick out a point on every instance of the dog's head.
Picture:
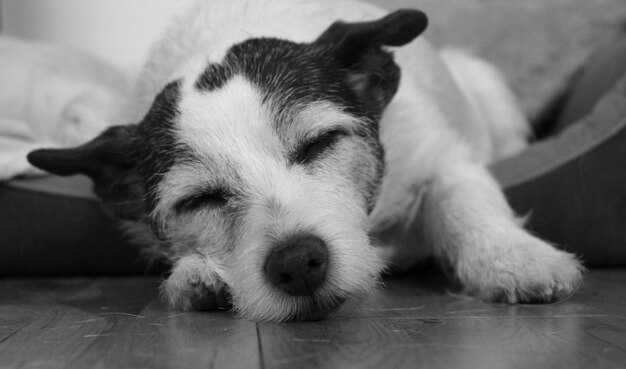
(267, 164)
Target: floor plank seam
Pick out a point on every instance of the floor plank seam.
(494, 317)
(258, 337)
(12, 333)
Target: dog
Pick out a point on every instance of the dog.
(287, 152)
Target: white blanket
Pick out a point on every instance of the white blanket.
(51, 96)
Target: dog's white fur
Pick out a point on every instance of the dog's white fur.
(304, 204)
(451, 116)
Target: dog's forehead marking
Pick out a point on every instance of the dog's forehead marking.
(215, 123)
(235, 120)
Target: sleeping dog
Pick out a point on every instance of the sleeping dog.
(288, 151)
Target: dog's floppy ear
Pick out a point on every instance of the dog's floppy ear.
(108, 151)
(373, 75)
(395, 29)
(109, 161)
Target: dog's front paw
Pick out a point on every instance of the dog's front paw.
(193, 285)
(525, 269)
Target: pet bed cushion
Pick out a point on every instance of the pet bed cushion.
(55, 226)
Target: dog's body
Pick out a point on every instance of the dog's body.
(286, 172)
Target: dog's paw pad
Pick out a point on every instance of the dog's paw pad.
(197, 296)
(193, 285)
(203, 298)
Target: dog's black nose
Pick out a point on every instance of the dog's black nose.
(298, 266)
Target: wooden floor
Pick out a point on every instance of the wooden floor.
(121, 323)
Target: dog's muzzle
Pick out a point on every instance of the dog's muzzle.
(298, 265)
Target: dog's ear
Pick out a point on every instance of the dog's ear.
(109, 161)
(107, 152)
(358, 47)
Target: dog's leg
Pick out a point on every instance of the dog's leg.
(473, 228)
(194, 285)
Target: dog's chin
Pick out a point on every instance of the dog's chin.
(311, 310)
(318, 311)
(287, 308)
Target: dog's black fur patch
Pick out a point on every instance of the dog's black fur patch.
(214, 77)
(157, 148)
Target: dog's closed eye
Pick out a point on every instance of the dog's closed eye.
(314, 148)
(201, 200)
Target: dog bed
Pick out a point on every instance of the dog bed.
(573, 186)
(55, 226)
